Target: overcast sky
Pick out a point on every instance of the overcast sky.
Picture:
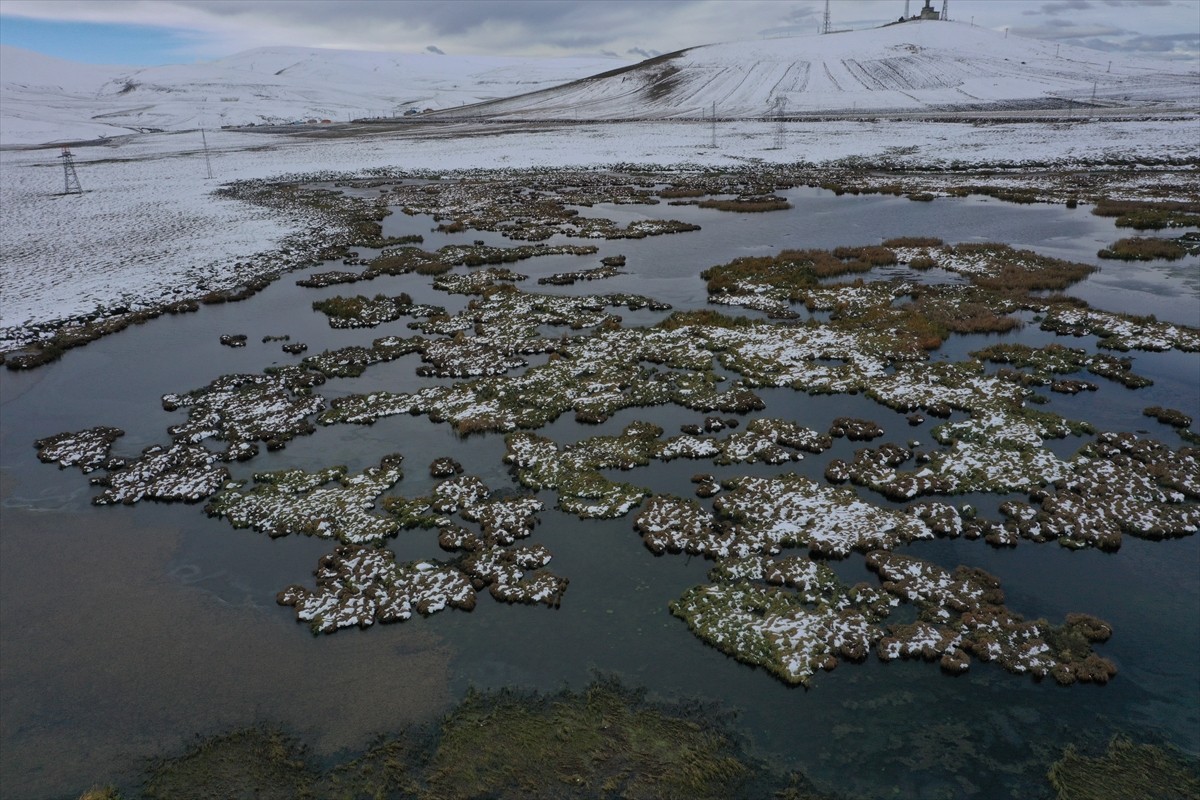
(184, 31)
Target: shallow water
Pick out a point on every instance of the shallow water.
(127, 630)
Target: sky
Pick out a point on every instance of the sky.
(147, 32)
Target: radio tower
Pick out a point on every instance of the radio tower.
(825, 26)
(70, 179)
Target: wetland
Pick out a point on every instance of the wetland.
(904, 493)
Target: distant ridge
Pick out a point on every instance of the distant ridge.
(915, 67)
(909, 67)
(45, 99)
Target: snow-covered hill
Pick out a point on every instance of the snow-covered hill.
(912, 66)
(46, 99)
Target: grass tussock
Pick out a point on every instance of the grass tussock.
(793, 271)
(703, 317)
(1145, 215)
(1143, 249)
(748, 204)
(913, 241)
(355, 307)
(1017, 271)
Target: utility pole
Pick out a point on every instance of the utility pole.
(714, 124)
(780, 104)
(207, 161)
(70, 179)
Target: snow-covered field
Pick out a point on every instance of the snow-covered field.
(149, 227)
(48, 99)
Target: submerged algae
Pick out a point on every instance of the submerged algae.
(605, 741)
(1127, 771)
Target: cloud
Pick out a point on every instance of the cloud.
(1062, 7)
(217, 28)
(1177, 43)
(1066, 29)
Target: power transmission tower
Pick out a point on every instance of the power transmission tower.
(70, 179)
(778, 109)
(714, 124)
(945, 10)
(825, 25)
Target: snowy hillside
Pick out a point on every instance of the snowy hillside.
(913, 66)
(46, 99)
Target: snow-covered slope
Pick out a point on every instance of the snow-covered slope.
(912, 66)
(46, 99)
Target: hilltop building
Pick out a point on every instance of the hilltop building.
(928, 12)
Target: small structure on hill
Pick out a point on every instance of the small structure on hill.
(928, 12)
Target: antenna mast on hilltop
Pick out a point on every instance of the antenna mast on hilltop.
(70, 179)
(825, 25)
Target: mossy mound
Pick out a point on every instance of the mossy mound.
(605, 741)
(264, 764)
(1127, 771)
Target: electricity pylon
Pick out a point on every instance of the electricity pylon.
(70, 179)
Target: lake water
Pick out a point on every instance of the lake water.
(127, 631)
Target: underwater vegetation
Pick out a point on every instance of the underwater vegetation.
(603, 741)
